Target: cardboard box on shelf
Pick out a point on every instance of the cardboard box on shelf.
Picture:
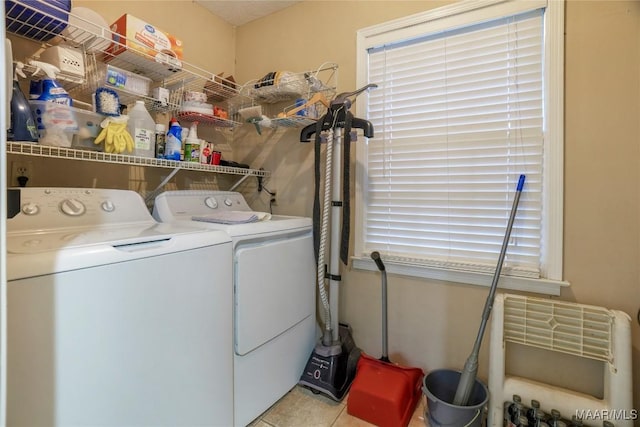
(133, 36)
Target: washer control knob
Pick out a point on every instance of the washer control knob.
(228, 202)
(72, 207)
(30, 208)
(108, 206)
(211, 202)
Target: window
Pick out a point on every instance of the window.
(469, 98)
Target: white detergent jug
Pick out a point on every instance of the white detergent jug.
(142, 128)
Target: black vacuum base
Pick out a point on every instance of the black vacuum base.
(331, 369)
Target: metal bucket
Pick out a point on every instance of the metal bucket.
(439, 387)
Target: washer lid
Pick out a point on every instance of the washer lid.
(37, 254)
(30, 242)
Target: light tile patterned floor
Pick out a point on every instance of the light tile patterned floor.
(301, 408)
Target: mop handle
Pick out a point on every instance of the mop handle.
(375, 256)
(468, 375)
(496, 276)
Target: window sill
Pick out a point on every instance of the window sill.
(538, 286)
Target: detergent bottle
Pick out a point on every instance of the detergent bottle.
(23, 124)
(51, 90)
(174, 140)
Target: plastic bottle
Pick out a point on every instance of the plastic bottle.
(51, 90)
(514, 411)
(174, 141)
(142, 128)
(23, 124)
(575, 421)
(532, 413)
(192, 145)
(555, 420)
(160, 140)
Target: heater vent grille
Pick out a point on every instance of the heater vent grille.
(576, 329)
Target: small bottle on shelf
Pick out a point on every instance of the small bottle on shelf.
(160, 140)
(192, 145)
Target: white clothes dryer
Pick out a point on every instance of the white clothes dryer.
(113, 318)
(274, 292)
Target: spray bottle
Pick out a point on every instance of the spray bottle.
(52, 91)
(192, 145)
(23, 125)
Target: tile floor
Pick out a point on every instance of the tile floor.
(301, 408)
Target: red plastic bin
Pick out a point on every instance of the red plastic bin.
(384, 394)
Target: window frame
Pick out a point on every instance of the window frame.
(467, 12)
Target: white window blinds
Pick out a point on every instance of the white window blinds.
(458, 116)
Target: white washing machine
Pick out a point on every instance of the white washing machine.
(274, 292)
(114, 319)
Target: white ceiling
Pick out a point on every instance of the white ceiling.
(239, 12)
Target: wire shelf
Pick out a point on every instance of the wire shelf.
(271, 96)
(31, 149)
(292, 122)
(190, 116)
(280, 86)
(98, 44)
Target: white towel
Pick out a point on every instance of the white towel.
(233, 217)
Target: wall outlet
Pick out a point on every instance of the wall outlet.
(19, 169)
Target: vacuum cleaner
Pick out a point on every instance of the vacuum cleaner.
(332, 365)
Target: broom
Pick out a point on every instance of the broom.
(468, 376)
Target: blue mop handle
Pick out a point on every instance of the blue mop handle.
(468, 375)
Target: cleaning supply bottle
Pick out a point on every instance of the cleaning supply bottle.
(174, 140)
(23, 124)
(192, 145)
(142, 128)
(161, 138)
(51, 90)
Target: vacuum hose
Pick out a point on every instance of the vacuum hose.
(327, 338)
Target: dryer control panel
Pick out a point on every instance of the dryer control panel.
(172, 205)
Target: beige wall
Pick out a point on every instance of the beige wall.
(431, 324)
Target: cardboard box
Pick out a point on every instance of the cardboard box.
(135, 36)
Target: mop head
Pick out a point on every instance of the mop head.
(383, 393)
